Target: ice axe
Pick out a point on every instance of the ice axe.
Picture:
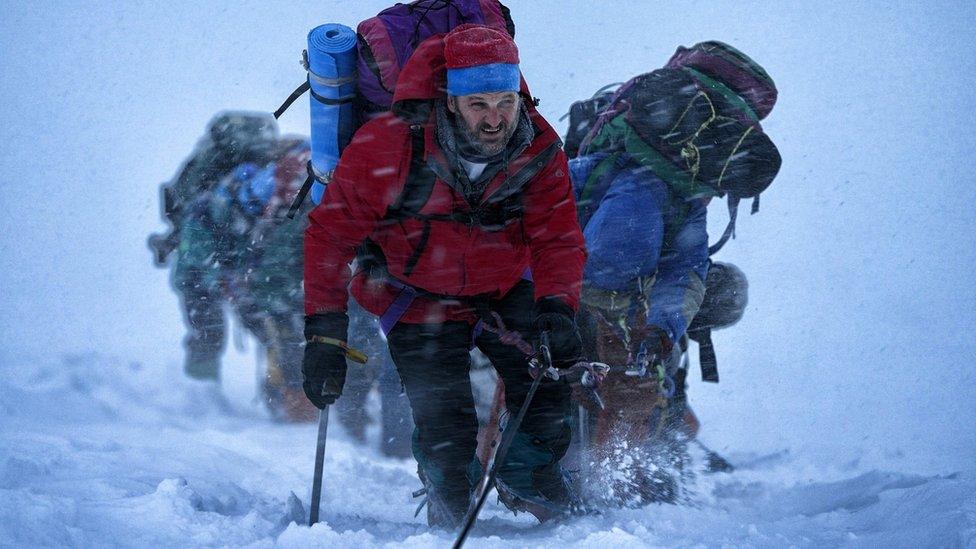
(356, 356)
(313, 515)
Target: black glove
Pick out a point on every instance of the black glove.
(324, 364)
(553, 315)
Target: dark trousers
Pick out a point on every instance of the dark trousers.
(203, 311)
(433, 361)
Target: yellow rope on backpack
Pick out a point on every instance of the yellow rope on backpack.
(690, 152)
(732, 155)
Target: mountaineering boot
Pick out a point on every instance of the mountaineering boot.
(446, 505)
(448, 492)
(532, 480)
(202, 366)
(204, 397)
(448, 502)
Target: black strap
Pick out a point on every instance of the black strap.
(307, 87)
(366, 54)
(730, 228)
(485, 219)
(681, 383)
(415, 256)
(416, 192)
(303, 192)
(506, 204)
(328, 100)
(312, 178)
(431, 5)
(420, 180)
(370, 258)
(515, 183)
(706, 355)
(292, 98)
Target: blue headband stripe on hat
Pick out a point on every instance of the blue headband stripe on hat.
(491, 78)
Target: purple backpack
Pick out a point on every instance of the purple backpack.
(385, 43)
(389, 39)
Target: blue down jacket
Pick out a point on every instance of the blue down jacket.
(636, 231)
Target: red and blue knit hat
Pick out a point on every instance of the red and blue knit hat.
(480, 59)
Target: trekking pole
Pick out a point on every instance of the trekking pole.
(313, 515)
(545, 359)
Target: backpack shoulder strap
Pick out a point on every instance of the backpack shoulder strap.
(515, 183)
(420, 180)
(416, 192)
(706, 355)
(729, 229)
(597, 183)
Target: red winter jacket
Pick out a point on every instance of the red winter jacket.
(458, 259)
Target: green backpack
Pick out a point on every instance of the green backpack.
(695, 122)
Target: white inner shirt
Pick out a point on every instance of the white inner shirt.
(474, 169)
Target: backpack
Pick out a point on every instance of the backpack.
(384, 43)
(690, 122)
(231, 137)
(695, 122)
(583, 116)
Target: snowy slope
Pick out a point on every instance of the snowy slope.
(97, 452)
(848, 390)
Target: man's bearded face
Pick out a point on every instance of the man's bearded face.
(488, 120)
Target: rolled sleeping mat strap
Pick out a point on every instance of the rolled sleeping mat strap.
(331, 59)
(299, 91)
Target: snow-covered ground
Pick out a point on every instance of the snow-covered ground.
(848, 392)
(100, 452)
